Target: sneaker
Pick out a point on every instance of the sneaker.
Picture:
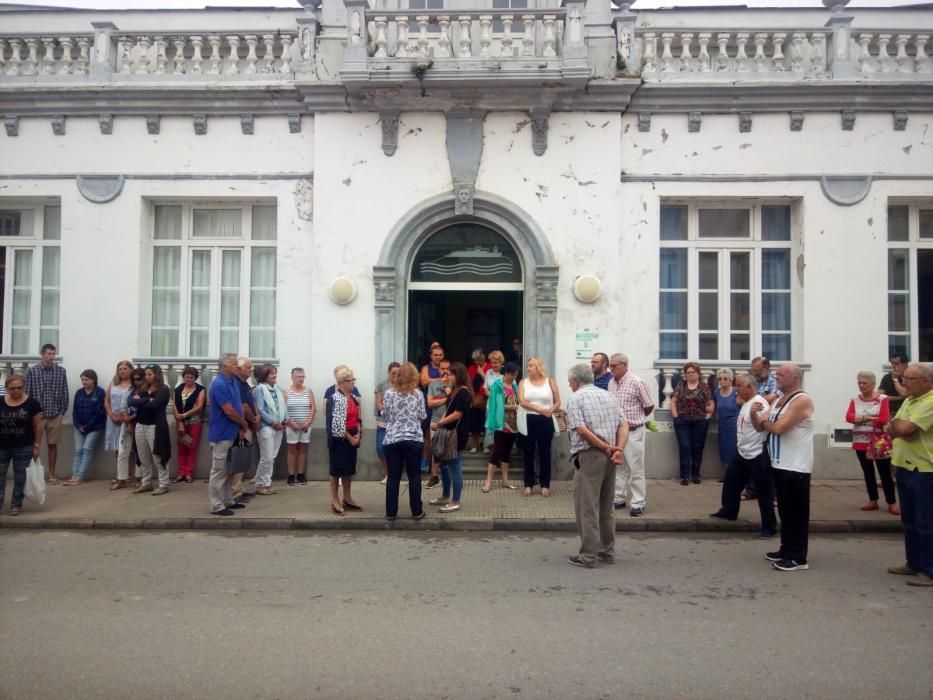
(472, 450)
(225, 511)
(450, 508)
(775, 556)
(684, 482)
(441, 501)
(765, 535)
(237, 506)
(161, 491)
(291, 480)
(636, 512)
(15, 510)
(606, 559)
(619, 505)
(385, 480)
(142, 489)
(920, 579)
(301, 479)
(902, 570)
(420, 516)
(790, 565)
(719, 515)
(697, 480)
(575, 560)
(432, 482)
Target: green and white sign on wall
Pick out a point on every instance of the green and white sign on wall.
(585, 343)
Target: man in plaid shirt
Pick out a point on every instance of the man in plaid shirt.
(598, 433)
(47, 383)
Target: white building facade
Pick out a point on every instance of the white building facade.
(342, 184)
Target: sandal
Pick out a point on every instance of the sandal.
(117, 485)
(527, 491)
(510, 486)
(545, 491)
(53, 481)
(486, 488)
(338, 511)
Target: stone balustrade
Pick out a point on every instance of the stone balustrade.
(886, 51)
(224, 54)
(45, 55)
(17, 364)
(669, 371)
(784, 54)
(487, 34)
(172, 367)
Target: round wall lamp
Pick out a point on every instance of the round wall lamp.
(342, 290)
(587, 288)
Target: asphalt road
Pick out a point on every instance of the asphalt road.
(462, 615)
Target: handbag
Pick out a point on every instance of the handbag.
(239, 457)
(879, 446)
(444, 442)
(35, 482)
(560, 421)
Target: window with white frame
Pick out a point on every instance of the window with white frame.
(30, 268)
(910, 280)
(726, 289)
(213, 279)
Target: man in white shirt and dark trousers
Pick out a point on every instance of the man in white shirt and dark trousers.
(598, 433)
(634, 399)
(750, 463)
(789, 423)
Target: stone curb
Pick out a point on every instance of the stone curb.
(407, 524)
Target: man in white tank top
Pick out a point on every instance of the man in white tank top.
(789, 424)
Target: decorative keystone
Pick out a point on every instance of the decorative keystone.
(539, 129)
(200, 124)
(694, 120)
(247, 124)
(796, 121)
(105, 122)
(153, 123)
(11, 124)
(58, 124)
(745, 122)
(644, 121)
(294, 123)
(900, 121)
(848, 119)
(389, 119)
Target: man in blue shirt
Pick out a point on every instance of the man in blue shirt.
(244, 368)
(226, 425)
(601, 373)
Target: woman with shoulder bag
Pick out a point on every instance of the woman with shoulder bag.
(458, 405)
(344, 434)
(868, 413)
(538, 399)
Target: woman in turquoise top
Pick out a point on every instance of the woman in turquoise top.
(500, 423)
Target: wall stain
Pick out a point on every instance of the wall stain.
(347, 181)
(906, 149)
(743, 146)
(664, 136)
(521, 125)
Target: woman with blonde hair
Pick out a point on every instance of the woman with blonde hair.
(115, 438)
(403, 411)
(344, 434)
(538, 398)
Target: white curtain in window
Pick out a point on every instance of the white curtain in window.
(166, 280)
(230, 300)
(264, 223)
(48, 312)
(200, 312)
(52, 226)
(262, 303)
(217, 223)
(167, 222)
(22, 301)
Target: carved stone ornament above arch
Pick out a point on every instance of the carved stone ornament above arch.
(845, 190)
(100, 189)
(391, 272)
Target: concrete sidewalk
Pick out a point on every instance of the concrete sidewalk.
(671, 508)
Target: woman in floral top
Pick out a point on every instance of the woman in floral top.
(403, 411)
(691, 407)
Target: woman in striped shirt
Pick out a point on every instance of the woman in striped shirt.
(299, 404)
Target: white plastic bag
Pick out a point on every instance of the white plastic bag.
(35, 482)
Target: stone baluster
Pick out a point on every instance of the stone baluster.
(722, 56)
(550, 39)
(703, 59)
(921, 60)
(902, 59)
(178, 59)
(126, 50)
(31, 64)
(67, 60)
(268, 55)
(197, 55)
(142, 57)
(161, 55)
(286, 66)
(401, 38)
(667, 376)
(48, 58)
(233, 56)
(465, 40)
(84, 55)
(649, 54)
(506, 50)
(760, 40)
(686, 58)
(885, 63)
(667, 58)
(214, 41)
(741, 58)
(864, 56)
(485, 35)
(252, 41)
(3, 45)
(16, 57)
(528, 37)
(777, 53)
(796, 52)
(442, 50)
(380, 38)
(423, 43)
(818, 53)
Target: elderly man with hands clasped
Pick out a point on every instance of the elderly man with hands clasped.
(598, 433)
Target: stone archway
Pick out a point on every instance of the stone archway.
(390, 274)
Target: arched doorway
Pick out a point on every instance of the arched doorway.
(394, 275)
(465, 290)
